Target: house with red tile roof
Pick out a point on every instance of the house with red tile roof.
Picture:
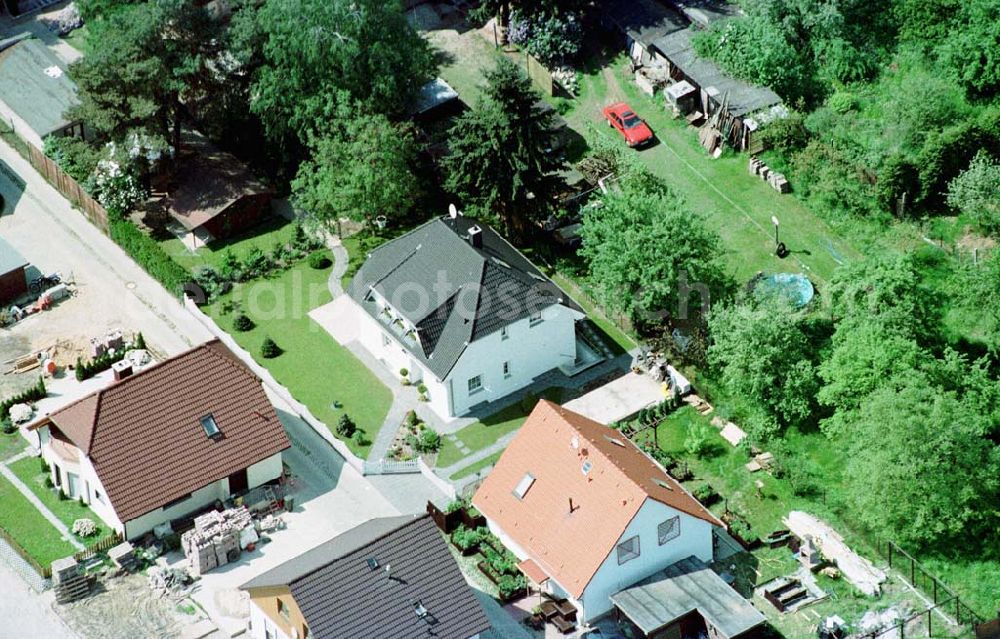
(166, 442)
(587, 512)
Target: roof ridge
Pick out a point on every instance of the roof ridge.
(410, 519)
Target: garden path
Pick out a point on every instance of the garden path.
(30, 496)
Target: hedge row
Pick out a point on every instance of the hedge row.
(33, 394)
(149, 255)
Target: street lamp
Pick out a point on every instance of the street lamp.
(779, 248)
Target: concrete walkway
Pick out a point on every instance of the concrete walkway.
(30, 496)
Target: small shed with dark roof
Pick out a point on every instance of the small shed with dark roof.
(388, 577)
(13, 277)
(683, 594)
(213, 192)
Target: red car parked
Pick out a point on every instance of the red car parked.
(633, 129)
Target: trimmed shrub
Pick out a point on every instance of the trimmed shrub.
(319, 260)
(149, 255)
(269, 350)
(84, 527)
(346, 427)
(361, 438)
(243, 323)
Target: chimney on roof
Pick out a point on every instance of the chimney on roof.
(476, 236)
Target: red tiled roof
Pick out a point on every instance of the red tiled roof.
(144, 435)
(569, 520)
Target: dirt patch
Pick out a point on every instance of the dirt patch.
(126, 607)
(971, 240)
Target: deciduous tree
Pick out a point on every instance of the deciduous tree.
(314, 49)
(976, 192)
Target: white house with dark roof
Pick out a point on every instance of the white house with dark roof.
(464, 312)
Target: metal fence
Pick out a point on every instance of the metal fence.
(944, 598)
(391, 467)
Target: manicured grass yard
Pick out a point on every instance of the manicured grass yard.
(472, 469)
(313, 366)
(29, 470)
(275, 230)
(78, 39)
(486, 432)
(11, 445)
(33, 532)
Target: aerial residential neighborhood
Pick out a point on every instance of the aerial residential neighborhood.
(496, 319)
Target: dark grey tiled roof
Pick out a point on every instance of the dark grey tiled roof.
(340, 595)
(452, 292)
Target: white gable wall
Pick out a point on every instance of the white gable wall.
(695, 539)
(531, 350)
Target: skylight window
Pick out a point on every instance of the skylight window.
(211, 428)
(587, 465)
(419, 608)
(524, 486)
(373, 563)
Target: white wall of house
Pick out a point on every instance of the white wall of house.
(261, 626)
(257, 474)
(529, 348)
(695, 539)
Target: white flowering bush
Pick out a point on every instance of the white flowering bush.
(84, 528)
(116, 186)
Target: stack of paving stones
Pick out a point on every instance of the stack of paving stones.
(68, 580)
(777, 180)
(215, 539)
(123, 556)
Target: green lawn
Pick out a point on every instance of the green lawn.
(78, 39)
(314, 367)
(738, 205)
(264, 236)
(11, 445)
(486, 432)
(29, 471)
(472, 469)
(33, 532)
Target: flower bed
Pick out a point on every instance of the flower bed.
(414, 438)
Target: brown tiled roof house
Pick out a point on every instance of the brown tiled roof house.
(167, 441)
(587, 512)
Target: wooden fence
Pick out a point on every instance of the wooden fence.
(70, 188)
(44, 571)
(103, 545)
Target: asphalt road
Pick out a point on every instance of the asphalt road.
(26, 614)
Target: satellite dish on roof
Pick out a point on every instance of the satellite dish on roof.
(452, 211)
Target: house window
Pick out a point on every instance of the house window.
(97, 496)
(283, 611)
(535, 319)
(475, 384)
(269, 630)
(72, 487)
(669, 530)
(504, 333)
(506, 370)
(211, 428)
(628, 550)
(524, 485)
